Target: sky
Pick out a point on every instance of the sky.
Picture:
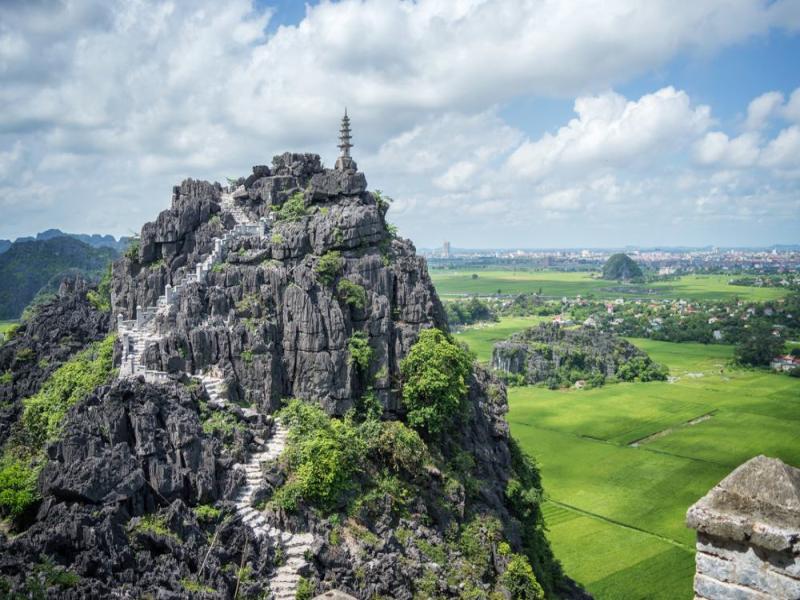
(492, 123)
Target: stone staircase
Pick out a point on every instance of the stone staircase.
(295, 546)
(136, 334)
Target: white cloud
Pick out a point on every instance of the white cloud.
(717, 148)
(784, 151)
(105, 105)
(792, 109)
(761, 109)
(611, 132)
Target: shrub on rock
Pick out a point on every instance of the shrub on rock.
(435, 376)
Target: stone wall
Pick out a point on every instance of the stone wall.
(748, 534)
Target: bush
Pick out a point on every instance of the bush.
(293, 209)
(18, 488)
(71, 382)
(520, 581)
(101, 299)
(359, 350)
(329, 266)
(305, 589)
(323, 454)
(352, 293)
(132, 251)
(435, 376)
(206, 513)
(399, 447)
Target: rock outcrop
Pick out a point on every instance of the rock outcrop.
(556, 355)
(162, 482)
(748, 534)
(55, 331)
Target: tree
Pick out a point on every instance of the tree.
(758, 346)
(435, 376)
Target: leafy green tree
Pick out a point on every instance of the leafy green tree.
(435, 374)
(758, 347)
(520, 581)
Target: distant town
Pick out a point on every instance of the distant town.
(658, 261)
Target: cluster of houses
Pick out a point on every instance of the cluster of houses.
(785, 363)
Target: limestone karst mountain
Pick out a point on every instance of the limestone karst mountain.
(621, 267)
(174, 478)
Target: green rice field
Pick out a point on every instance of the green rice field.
(454, 283)
(617, 497)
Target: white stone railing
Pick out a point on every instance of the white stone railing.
(142, 327)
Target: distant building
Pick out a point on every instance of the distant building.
(785, 363)
(446, 249)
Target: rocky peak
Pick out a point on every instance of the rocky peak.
(277, 315)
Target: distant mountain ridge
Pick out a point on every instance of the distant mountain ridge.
(30, 267)
(95, 240)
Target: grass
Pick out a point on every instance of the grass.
(6, 325)
(481, 337)
(616, 512)
(557, 284)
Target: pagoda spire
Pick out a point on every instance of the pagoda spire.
(345, 162)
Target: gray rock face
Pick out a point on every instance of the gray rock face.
(539, 352)
(748, 533)
(273, 316)
(57, 330)
(137, 444)
(286, 329)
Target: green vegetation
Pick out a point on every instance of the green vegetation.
(520, 581)
(293, 209)
(101, 298)
(206, 513)
(359, 350)
(329, 266)
(192, 585)
(305, 589)
(72, 381)
(276, 237)
(7, 330)
(435, 376)
(45, 576)
(622, 267)
(557, 284)
(17, 484)
(219, 422)
(154, 524)
(482, 337)
(323, 454)
(41, 422)
(352, 293)
(132, 251)
(621, 464)
(758, 346)
(467, 312)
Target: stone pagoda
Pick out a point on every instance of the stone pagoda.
(345, 162)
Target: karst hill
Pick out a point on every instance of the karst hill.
(621, 267)
(275, 410)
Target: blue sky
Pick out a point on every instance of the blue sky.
(492, 123)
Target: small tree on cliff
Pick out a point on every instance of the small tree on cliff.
(435, 376)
